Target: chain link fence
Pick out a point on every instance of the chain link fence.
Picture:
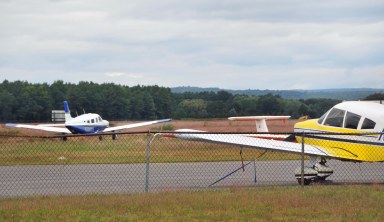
(152, 162)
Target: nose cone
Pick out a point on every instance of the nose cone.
(105, 122)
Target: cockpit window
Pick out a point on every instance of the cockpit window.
(335, 118)
(321, 119)
(352, 120)
(368, 124)
(100, 119)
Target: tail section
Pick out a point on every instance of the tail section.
(261, 124)
(67, 112)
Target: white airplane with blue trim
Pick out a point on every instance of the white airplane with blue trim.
(349, 131)
(89, 123)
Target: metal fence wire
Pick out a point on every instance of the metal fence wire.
(153, 162)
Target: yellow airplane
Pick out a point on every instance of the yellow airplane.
(349, 131)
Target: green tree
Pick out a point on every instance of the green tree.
(375, 96)
(6, 105)
(270, 105)
(194, 108)
(246, 105)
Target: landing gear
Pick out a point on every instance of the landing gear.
(114, 136)
(306, 181)
(316, 173)
(100, 138)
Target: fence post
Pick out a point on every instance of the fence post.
(302, 159)
(147, 155)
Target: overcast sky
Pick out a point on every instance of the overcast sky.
(231, 44)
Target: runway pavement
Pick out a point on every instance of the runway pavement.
(131, 178)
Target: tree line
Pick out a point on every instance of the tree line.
(21, 101)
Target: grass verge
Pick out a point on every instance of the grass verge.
(314, 203)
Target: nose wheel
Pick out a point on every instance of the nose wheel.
(316, 173)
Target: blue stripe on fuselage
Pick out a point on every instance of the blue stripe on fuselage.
(86, 129)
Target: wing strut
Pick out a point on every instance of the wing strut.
(242, 159)
(229, 174)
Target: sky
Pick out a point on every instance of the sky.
(230, 44)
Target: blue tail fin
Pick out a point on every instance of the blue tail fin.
(67, 112)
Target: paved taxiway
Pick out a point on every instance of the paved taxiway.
(129, 178)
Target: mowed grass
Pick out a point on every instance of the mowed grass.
(128, 148)
(313, 203)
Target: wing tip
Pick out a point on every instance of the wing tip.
(164, 120)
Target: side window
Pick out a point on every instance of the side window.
(335, 118)
(352, 120)
(92, 120)
(368, 124)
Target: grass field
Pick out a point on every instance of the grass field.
(129, 148)
(314, 203)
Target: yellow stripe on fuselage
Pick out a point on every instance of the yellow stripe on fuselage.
(351, 147)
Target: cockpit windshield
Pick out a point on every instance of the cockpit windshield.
(341, 118)
(321, 119)
(335, 118)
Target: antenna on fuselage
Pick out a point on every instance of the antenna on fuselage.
(83, 110)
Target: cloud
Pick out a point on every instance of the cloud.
(125, 75)
(114, 74)
(229, 44)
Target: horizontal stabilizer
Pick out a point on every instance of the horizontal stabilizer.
(248, 118)
(261, 125)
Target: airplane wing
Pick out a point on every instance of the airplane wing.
(41, 127)
(133, 125)
(53, 124)
(260, 143)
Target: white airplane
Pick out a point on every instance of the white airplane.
(349, 131)
(89, 123)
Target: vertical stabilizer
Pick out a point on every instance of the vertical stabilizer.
(261, 126)
(67, 112)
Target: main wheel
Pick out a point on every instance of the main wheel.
(306, 181)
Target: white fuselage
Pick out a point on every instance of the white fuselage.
(86, 123)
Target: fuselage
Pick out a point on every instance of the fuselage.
(86, 124)
(366, 119)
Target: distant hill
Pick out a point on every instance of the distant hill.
(341, 94)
